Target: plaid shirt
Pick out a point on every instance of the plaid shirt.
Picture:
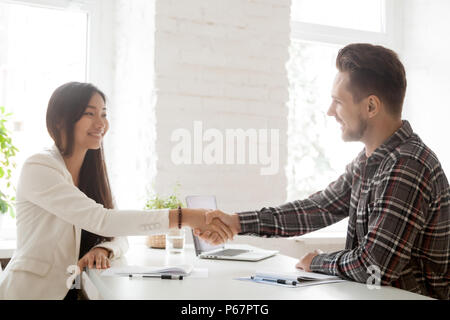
(398, 204)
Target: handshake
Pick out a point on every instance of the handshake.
(212, 226)
(216, 227)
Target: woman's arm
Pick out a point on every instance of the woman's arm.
(45, 185)
(46, 189)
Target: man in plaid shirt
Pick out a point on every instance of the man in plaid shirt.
(394, 192)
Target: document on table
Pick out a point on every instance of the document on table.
(298, 275)
(182, 270)
(295, 279)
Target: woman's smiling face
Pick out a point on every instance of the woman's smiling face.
(92, 126)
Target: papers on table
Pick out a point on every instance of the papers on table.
(299, 275)
(182, 270)
(291, 279)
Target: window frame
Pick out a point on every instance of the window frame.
(317, 33)
(390, 37)
(99, 66)
(100, 13)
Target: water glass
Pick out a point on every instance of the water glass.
(175, 240)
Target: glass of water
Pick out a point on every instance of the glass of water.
(175, 240)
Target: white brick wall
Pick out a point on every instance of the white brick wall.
(222, 62)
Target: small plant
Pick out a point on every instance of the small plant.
(7, 153)
(157, 202)
(170, 202)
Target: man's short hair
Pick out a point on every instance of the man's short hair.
(374, 70)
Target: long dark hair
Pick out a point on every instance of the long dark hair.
(66, 106)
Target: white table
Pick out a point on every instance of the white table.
(220, 283)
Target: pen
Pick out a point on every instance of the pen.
(280, 281)
(162, 276)
(304, 279)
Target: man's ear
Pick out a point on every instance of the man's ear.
(373, 106)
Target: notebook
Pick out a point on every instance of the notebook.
(205, 250)
(148, 270)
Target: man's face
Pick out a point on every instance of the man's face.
(348, 114)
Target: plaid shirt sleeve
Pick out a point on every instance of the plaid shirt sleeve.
(299, 217)
(395, 218)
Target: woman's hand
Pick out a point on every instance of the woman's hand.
(218, 231)
(228, 221)
(99, 256)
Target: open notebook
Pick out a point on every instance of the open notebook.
(295, 279)
(298, 275)
(182, 270)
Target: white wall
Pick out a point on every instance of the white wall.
(222, 62)
(131, 106)
(426, 47)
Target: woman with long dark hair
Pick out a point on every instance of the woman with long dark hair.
(65, 210)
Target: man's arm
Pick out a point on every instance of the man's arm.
(302, 216)
(294, 218)
(397, 216)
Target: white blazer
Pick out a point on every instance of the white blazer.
(51, 211)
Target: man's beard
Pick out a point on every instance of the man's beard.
(356, 134)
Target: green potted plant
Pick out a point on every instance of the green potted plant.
(7, 165)
(159, 202)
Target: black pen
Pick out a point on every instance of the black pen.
(161, 276)
(305, 279)
(280, 281)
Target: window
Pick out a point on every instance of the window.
(36, 59)
(43, 44)
(364, 15)
(316, 153)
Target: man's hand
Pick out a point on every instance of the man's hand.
(219, 231)
(216, 217)
(305, 262)
(97, 255)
